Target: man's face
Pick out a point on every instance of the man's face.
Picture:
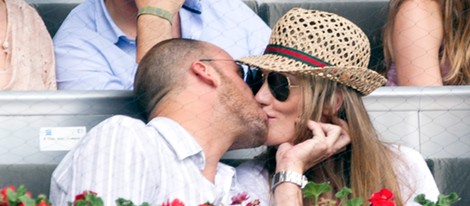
(244, 114)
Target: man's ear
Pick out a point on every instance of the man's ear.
(205, 73)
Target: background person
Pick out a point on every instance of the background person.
(96, 46)
(426, 43)
(26, 53)
(314, 77)
(191, 92)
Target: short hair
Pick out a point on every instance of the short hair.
(161, 69)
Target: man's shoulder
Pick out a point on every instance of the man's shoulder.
(119, 131)
(80, 22)
(123, 120)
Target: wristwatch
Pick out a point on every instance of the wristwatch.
(289, 176)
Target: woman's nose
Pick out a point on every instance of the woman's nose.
(263, 96)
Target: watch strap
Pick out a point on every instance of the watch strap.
(162, 13)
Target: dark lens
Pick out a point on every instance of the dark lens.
(241, 70)
(253, 77)
(255, 80)
(279, 86)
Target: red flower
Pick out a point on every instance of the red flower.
(382, 198)
(42, 203)
(238, 199)
(175, 202)
(82, 196)
(3, 192)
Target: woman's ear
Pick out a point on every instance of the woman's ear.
(328, 111)
(339, 100)
(205, 73)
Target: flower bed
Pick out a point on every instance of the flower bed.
(10, 196)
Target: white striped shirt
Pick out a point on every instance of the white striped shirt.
(154, 163)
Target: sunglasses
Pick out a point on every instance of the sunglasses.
(278, 83)
(242, 69)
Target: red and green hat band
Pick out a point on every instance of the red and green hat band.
(295, 55)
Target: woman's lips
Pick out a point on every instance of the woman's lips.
(271, 117)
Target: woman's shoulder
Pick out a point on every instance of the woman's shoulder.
(405, 151)
(408, 159)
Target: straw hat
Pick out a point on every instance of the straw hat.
(321, 44)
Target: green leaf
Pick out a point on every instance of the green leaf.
(344, 192)
(421, 199)
(313, 189)
(21, 190)
(94, 200)
(355, 202)
(446, 200)
(124, 202)
(12, 196)
(27, 201)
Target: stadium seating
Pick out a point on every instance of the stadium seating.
(431, 120)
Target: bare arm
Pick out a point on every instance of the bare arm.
(417, 37)
(153, 29)
(327, 140)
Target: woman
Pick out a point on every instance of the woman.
(426, 43)
(27, 55)
(314, 76)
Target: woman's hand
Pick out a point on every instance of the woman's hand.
(327, 140)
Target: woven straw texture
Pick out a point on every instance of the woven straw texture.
(324, 36)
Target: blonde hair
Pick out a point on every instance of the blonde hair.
(365, 165)
(456, 39)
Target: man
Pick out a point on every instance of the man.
(95, 47)
(192, 93)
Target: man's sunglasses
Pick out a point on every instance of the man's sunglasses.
(278, 83)
(242, 69)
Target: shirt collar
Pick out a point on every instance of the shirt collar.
(182, 143)
(105, 24)
(193, 6)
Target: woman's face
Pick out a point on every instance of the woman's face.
(282, 115)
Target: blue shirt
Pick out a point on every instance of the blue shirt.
(92, 53)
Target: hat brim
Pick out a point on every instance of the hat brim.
(361, 79)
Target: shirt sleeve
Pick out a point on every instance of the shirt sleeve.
(110, 161)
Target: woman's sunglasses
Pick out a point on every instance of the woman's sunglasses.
(278, 83)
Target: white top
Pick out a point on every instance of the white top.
(254, 179)
(154, 163)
